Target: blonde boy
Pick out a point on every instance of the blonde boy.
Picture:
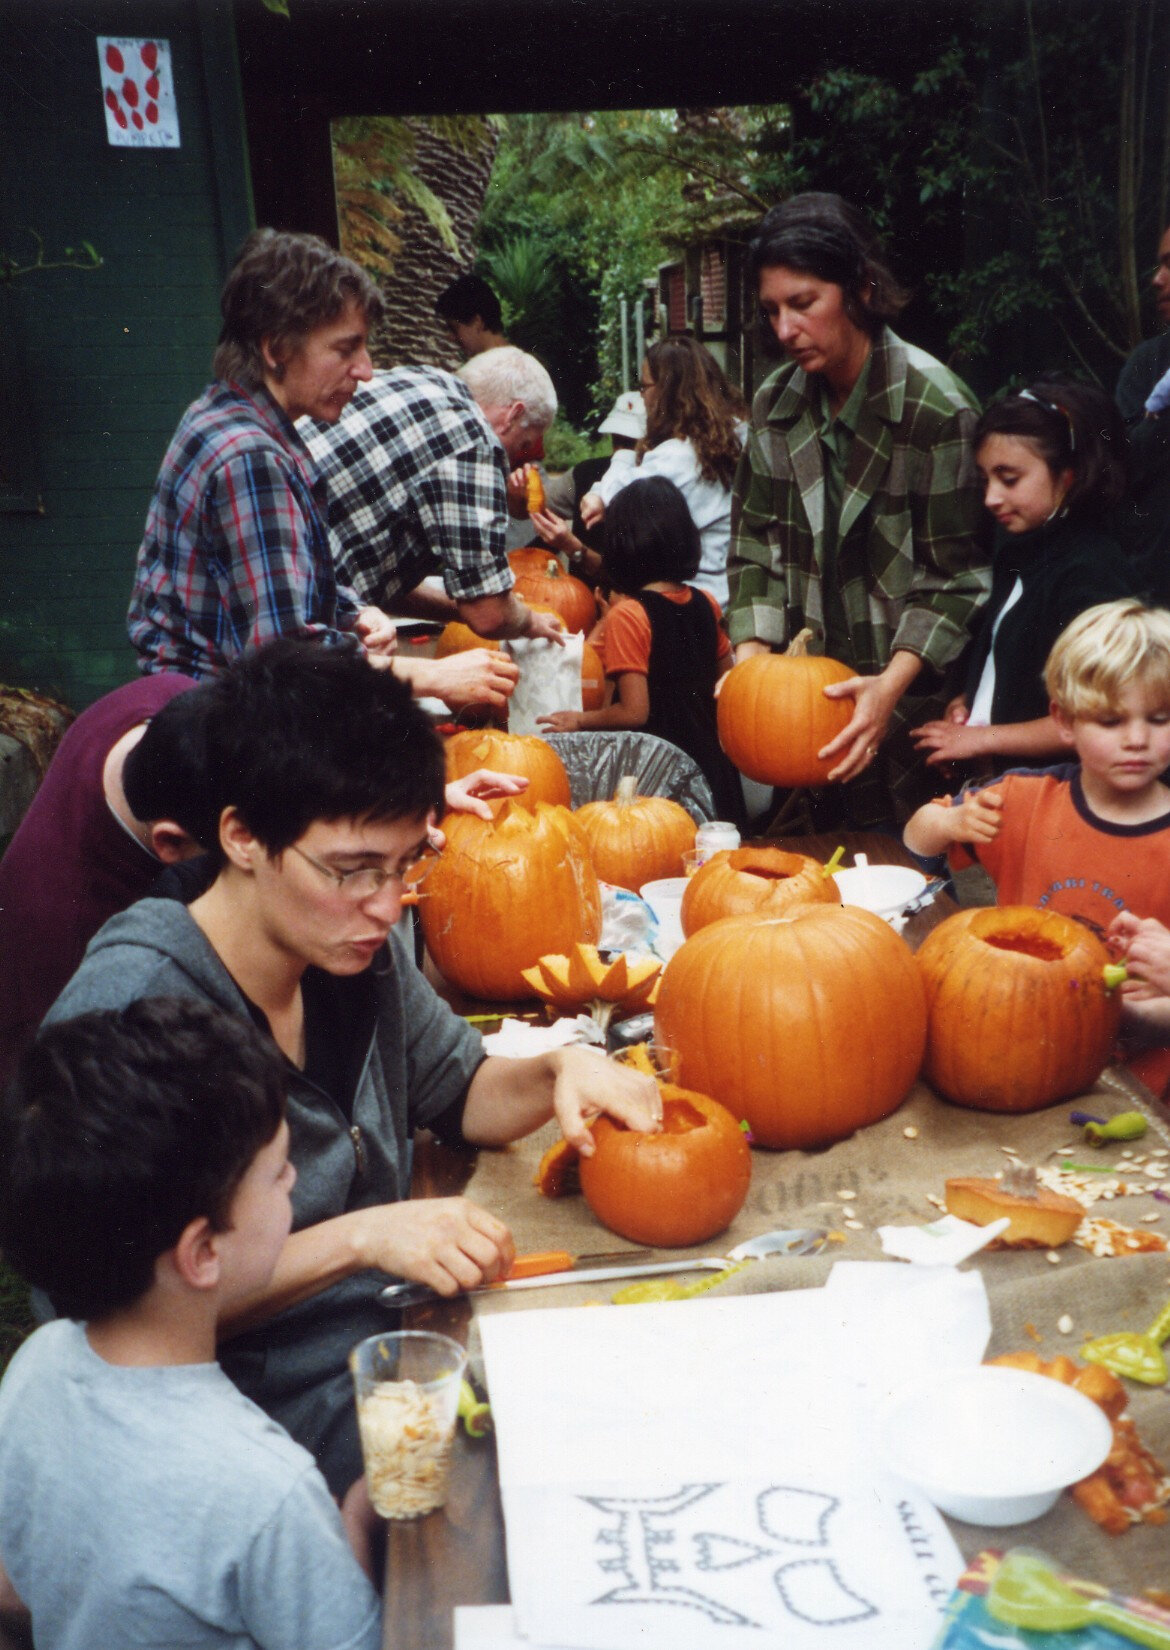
(1092, 838)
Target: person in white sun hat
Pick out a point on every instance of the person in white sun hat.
(559, 524)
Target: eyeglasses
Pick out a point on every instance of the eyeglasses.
(367, 880)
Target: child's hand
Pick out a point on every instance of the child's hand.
(958, 710)
(592, 507)
(561, 721)
(949, 740)
(554, 530)
(1144, 943)
(978, 817)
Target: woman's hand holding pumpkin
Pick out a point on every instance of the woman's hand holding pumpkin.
(857, 745)
(874, 699)
(585, 1084)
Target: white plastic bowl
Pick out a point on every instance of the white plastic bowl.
(664, 897)
(993, 1446)
(884, 889)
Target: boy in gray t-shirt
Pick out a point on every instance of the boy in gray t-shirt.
(144, 1183)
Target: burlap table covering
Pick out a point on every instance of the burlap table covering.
(890, 1177)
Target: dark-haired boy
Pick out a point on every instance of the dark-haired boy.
(145, 1184)
(326, 776)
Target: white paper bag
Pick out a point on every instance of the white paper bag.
(550, 679)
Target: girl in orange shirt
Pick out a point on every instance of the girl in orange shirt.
(663, 644)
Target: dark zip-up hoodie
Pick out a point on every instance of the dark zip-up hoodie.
(408, 1060)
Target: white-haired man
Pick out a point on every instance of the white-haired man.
(416, 472)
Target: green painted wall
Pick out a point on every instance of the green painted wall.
(97, 367)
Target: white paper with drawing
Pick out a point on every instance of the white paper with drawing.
(692, 1473)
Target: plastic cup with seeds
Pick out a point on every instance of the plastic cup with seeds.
(406, 1385)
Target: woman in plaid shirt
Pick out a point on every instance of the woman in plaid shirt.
(856, 507)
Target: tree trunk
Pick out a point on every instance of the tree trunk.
(411, 332)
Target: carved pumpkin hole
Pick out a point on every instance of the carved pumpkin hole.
(773, 866)
(1028, 945)
(678, 1117)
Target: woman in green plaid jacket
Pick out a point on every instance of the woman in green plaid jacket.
(856, 509)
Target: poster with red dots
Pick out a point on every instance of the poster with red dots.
(138, 92)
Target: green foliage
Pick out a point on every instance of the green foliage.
(375, 177)
(1031, 155)
(611, 195)
(523, 273)
(564, 446)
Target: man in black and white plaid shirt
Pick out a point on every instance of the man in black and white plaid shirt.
(416, 472)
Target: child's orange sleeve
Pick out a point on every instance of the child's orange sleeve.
(627, 639)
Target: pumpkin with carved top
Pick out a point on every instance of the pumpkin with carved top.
(740, 882)
(773, 715)
(1019, 1012)
(636, 839)
(517, 753)
(809, 1024)
(505, 892)
(679, 1187)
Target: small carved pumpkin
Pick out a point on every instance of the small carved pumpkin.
(504, 892)
(741, 882)
(517, 753)
(582, 980)
(1018, 1011)
(773, 716)
(636, 839)
(810, 1025)
(675, 1188)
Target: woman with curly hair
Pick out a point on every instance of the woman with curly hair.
(695, 428)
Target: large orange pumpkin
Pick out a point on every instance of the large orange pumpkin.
(1019, 1014)
(505, 892)
(636, 839)
(517, 753)
(543, 582)
(810, 1025)
(679, 1187)
(773, 715)
(761, 880)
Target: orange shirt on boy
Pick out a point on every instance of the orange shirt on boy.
(1052, 851)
